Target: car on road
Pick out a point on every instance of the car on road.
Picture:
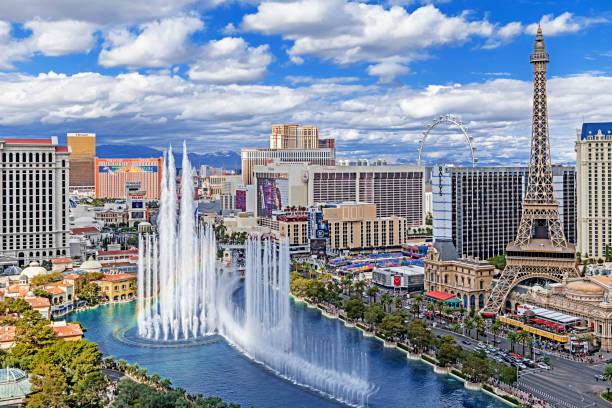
(538, 352)
(599, 377)
(492, 349)
(466, 342)
(529, 363)
(516, 356)
(543, 365)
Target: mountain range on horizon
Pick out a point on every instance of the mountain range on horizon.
(226, 159)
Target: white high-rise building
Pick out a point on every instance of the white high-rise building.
(594, 179)
(34, 205)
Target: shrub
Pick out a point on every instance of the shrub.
(510, 399)
(403, 346)
(458, 373)
(380, 336)
(342, 317)
(429, 359)
(360, 326)
(488, 388)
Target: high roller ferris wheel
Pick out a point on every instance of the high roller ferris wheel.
(452, 121)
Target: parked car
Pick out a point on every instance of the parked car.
(599, 377)
(543, 365)
(492, 349)
(466, 342)
(538, 352)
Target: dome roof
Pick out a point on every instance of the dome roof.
(33, 270)
(585, 286)
(91, 264)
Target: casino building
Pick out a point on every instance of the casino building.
(113, 174)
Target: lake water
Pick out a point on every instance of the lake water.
(217, 369)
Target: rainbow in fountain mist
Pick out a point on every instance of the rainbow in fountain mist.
(182, 296)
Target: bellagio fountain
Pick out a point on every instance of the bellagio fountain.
(183, 296)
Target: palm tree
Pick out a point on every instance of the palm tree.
(414, 309)
(512, 337)
(523, 337)
(372, 292)
(386, 299)
(479, 322)
(418, 300)
(440, 306)
(359, 287)
(496, 329)
(431, 307)
(398, 302)
(468, 324)
(346, 282)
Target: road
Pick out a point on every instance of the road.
(568, 385)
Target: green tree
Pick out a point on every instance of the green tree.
(476, 368)
(512, 338)
(468, 325)
(498, 261)
(91, 391)
(414, 309)
(32, 329)
(49, 387)
(42, 293)
(360, 287)
(372, 292)
(479, 323)
(393, 327)
(316, 291)
(522, 338)
(398, 302)
(508, 375)
(447, 353)
(347, 281)
(386, 300)
(43, 279)
(17, 305)
(419, 335)
(439, 307)
(496, 328)
(354, 308)
(90, 293)
(607, 373)
(418, 301)
(374, 314)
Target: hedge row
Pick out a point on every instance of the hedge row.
(488, 388)
(341, 317)
(360, 326)
(403, 347)
(458, 373)
(511, 399)
(429, 359)
(380, 336)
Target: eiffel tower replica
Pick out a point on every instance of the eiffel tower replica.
(540, 249)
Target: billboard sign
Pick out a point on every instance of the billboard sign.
(397, 281)
(318, 246)
(241, 200)
(272, 195)
(127, 169)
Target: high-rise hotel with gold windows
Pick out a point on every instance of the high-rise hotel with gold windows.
(82, 159)
(594, 192)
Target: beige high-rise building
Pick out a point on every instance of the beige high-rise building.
(355, 227)
(82, 160)
(594, 189)
(294, 137)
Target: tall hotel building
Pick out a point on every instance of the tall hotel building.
(34, 180)
(82, 159)
(396, 190)
(594, 174)
(480, 209)
(290, 143)
(113, 174)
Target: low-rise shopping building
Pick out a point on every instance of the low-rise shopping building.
(117, 287)
(467, 278)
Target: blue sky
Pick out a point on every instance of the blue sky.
(372, 74)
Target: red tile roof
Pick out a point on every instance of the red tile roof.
(38, 302)
(54, 290)
(436, 294)
(61, 260)
(72, 276)
(69, 330)
(117, 277)
(7, 333)
(61, 149)
(119, 252)
(27, 141)
(79, 231)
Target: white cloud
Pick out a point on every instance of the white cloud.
(562, 24)
(230, 60)
(510, 30)
(159, 43)
(350, 32)
(60, 37)
(372, 119)
(51, 38)
(102, 12)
